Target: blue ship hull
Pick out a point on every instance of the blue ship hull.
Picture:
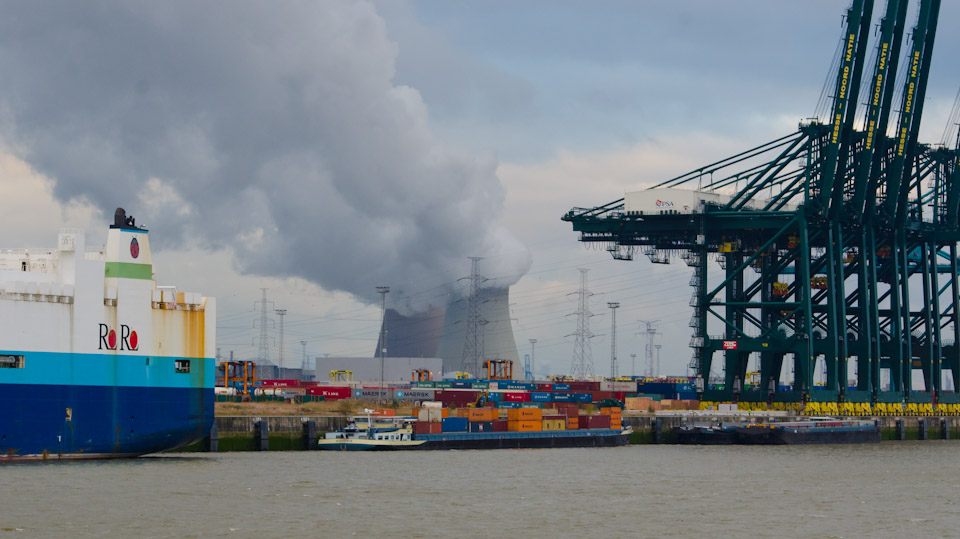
(73, 421)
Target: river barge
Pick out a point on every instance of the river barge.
(817, 431)
(392, 434)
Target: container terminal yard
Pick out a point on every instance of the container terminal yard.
(292, 415)
(837, 291)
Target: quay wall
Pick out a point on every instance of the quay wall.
(287, 433)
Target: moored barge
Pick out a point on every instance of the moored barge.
(814, 431)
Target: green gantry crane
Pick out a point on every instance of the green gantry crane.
(837, 244)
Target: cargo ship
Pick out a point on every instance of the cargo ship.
(96, 360)
(475, 432)
(813, 431)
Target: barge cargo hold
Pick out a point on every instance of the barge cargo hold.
(785, 433)
(96, 360)
(403, 436)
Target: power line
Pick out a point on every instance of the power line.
(613, 337)
(263, 355)
(281, 313)
(650, 334)
(582, 355)
(470, 361)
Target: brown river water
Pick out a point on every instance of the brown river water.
(891, 489)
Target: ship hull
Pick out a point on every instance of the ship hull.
(96, 359)
(526, 440)
(781, 434)
(368, 445)
(705, 436)
(788, 436)
(84, 422)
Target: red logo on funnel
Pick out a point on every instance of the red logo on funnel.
(134, 248)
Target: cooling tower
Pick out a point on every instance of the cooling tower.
(442, 332)
(415, 335)
(496, 336)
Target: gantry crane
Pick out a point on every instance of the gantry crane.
(826, 239)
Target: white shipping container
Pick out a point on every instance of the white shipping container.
(433, 415)
(670, 201)
(625, 387)
(662, 201)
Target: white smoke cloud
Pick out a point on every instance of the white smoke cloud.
(273, 129)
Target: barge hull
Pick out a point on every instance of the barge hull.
(787, 436)
(510, 440)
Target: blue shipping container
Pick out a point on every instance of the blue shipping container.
(481, 426)
(561, 387)
(455, 424)
(684, 387)
(666, 389)
(493, 396)
(563, 397)
(540, 397)
(510, 405)
(583, 397)
(517, 386)
(687, 395)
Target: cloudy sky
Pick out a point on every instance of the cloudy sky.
(322, 148)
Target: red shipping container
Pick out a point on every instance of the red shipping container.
(457, 397)
(583, 387)
(544, 387)
(570, 410)
(602, 395)
(279, 383)
(330, 393)
(620, 395)
(516, 397)
(500, 426)
(594, 422)
(554, 418)
(426, 427)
